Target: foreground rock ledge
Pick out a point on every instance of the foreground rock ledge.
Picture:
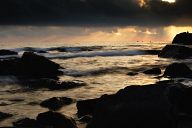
(152, 106)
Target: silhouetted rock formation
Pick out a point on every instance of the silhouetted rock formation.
(184, 38)
(55, 120)
(46, 120)
(151, 106)
(25, 123)
(56, 103)
(178, 70)
(176, 51)
(7, 52)
(4, 116)
(153, 71)
(30, 65)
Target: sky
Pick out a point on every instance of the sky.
(93, 20)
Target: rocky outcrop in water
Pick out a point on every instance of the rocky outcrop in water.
(178, 70)
(160, 105)
(153, 71)
(7, 52)
(30, 65)
(184, 38)
(46, 120)
(4, 115)
(56, 103)
(176, 51)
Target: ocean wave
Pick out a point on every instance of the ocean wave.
(101, 53)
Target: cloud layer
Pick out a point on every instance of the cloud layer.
(95, 12)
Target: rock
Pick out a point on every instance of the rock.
(86, 118)
(86, 107)
(132, 73)
(134, 107)
(30, 66)
(38, 66)
(25, 123)
(4, 116)
(55, 120)
(178, 70)
(153, 71)
(184, 38)
(180, 96)
(176, 51)
(56, 103)
(53, 84)
(7, 52)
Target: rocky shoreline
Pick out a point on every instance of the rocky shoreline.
(165, 104)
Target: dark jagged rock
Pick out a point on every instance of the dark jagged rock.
(56, 103)
(7, 52)
(30, 65)
(25, 123)
(4, 116)
(86, 107)
(184, 38)
(132, 73)
(55, 120)
(176, 51)
(134, 107)
(38, 66)
(153, 71)
(178, 70)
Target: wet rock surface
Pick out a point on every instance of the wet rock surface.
(56, 103)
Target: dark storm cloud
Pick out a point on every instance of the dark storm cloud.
(95, 12)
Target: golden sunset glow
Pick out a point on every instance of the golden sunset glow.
(141, 3)
(170, 1)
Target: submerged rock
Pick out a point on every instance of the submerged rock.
(176, 51)
(55, 120)
(153, 71)
(56, 103)
(184, 38)
(7, 52)
(178, 70)
(4, 116)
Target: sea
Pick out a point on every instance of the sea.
(103, 66)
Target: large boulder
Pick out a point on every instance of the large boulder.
(56, 103)
(38, 66)
(25, 123)
(55, 120)
(7, 52)
(30, 65)
(176, 51)
(178, 70)
(134, 107)
(184, 38)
